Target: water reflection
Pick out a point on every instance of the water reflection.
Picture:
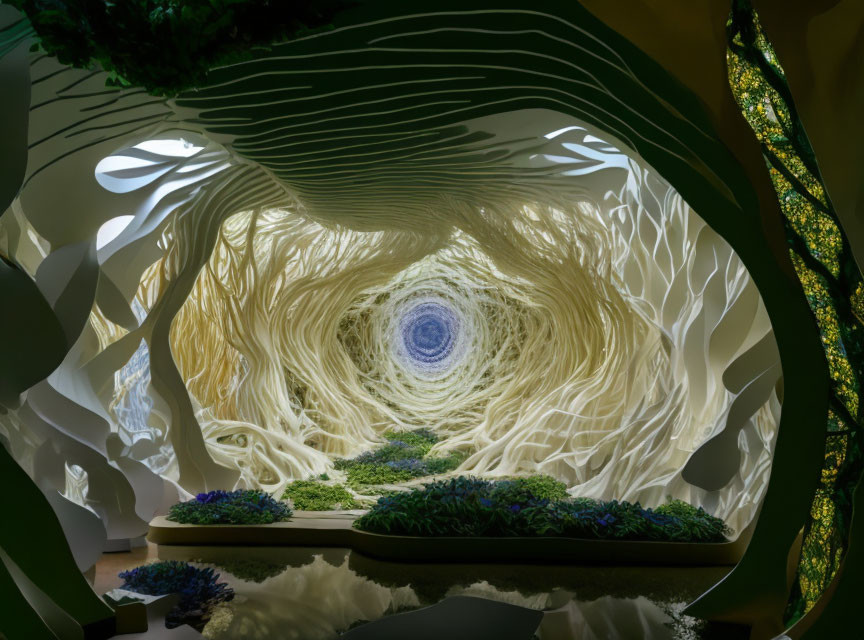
(609, 617)
(316, 594)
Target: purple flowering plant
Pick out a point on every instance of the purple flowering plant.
(533, 506)
(199, 589)
(244, 506)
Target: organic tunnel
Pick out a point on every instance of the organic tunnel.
(509, 226)
(595, 337)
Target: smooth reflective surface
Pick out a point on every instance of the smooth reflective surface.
(318, 594)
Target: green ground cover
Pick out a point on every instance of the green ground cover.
(404, 457)
(314, 495)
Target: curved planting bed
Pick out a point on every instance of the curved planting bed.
(471, 520)
(230, 507)
(538, 506)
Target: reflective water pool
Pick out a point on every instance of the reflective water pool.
(319, 594)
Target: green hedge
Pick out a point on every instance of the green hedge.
(230, 507)
(532, 507)
(403, 458)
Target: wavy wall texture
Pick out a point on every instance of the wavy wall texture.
(615, 342)
(603, 249)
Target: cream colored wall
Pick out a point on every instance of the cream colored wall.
(640, 362)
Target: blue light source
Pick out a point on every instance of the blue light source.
(429, 331)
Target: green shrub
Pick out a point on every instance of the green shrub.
(230, 507)
(695, 521)
(542, 487)
(435, 466)
(404, 457)
(311, 495)
(523, 507)
(421, 440)
(395, 450)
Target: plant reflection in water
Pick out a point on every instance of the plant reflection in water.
(316, 594)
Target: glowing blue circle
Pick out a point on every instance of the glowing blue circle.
(429, 331)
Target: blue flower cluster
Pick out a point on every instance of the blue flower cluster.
(198, 588)
(535, 506)
(230, 507)
(421, 467)
(214, 497)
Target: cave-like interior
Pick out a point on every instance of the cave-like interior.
(481, 320)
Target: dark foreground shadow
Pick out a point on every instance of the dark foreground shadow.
(457, 618)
